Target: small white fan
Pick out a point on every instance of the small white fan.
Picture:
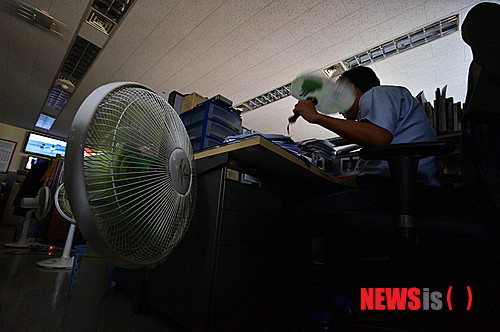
(130, 180)
(64, 209)
(40, 205)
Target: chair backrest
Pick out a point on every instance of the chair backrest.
(480, 30)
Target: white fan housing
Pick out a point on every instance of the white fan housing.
(130, 174)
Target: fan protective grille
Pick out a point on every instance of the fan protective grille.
(127, 172)
(62, 204)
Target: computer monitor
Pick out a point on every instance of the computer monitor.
(44, 145)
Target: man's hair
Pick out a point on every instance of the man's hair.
(363, 78)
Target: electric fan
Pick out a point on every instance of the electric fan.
(130, 179)
(64, 209)
(40, 205)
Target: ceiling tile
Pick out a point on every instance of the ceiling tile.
(123, 43)
(316, 19)
(427, 75)
(256, 89)
(151, 48)
(184, 77)
(238, 40)
(311, 3)
(202, 38)
(447, 44)
(355, 5)
(398, 7)
(396, 77)
(406, 59)
(395, 27)
(223, 73)
(358, 22)
(467, 54)
(437, 9)
(340, 51)
(370, 15)
(305, 48)
(340, 31)
(181, 51)
(277, 14)
(453, 72)
(193, 12)
(436, 63)
(271, 45)
(231, 86)
(171, 63)
(153, 11)
(235, 12)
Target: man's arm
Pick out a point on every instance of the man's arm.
(358, 132)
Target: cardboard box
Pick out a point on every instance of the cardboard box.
(192, 100)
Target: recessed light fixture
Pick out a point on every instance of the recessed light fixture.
(100, 22)
(266, 98)
(403, 43)
(39, 17)
(45, 121)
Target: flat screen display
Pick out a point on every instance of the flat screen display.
(44, 145)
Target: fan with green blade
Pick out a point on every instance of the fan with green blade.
(130, 179)
(62, 205)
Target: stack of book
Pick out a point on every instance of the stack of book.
(445, 115)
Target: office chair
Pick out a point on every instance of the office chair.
(468, 239)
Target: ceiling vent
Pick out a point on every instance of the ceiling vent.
(266, 98)
(404, 43)
(58, 97)
(100, 22)
(39, 17)
(112, 9)
(79, 59)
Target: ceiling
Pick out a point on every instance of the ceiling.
(236, 48)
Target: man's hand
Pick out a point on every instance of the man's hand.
(306, 109)
(358, 132)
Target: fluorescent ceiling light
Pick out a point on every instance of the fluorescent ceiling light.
(45, 121)
(403, 43)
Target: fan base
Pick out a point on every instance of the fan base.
(57, 263)
(20, 244)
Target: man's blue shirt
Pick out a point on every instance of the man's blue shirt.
(396, 110)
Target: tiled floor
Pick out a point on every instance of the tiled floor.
(34, 299)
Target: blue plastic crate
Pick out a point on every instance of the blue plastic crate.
(211, 128)
(213, 111)
(204, 143)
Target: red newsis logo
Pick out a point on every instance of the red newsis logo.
(406, 298)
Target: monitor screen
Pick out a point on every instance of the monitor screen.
(43, 145)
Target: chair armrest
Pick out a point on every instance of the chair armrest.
(418, 150)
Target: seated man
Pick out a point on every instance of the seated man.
(380, 115)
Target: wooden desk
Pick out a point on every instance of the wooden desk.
(269, 158)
